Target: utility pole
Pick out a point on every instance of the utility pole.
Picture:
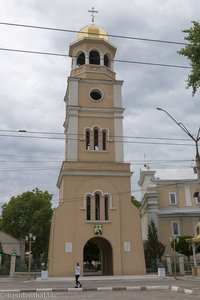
(196, 140)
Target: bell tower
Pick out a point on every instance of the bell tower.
(95, 209)
(93, 98)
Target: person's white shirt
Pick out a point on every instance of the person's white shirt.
(77, 270)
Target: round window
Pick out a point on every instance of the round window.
(96, 94)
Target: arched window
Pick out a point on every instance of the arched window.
(106, 61)
(88, 208)
(87, 139)
(96, 139)
(97, 206)
(94, 58)
(81, 59)
(106, 207)
(104, 137)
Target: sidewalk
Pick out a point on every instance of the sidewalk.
(97, 278)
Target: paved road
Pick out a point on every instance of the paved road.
(109, 288)
(95, 282)
(118, 295)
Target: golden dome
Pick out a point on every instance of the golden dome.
(93, 31)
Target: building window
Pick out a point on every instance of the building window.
(96, 94)
(175, 228)
(104, 140)
(106, 61)
(94, 58)
(96, 139)
(106, 207)
(81, 59)
(97, 206)
(87, 139)
(88, 207)
(172, 198)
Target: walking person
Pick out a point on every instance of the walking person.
(77, 275)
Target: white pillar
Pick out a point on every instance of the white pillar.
(169, 264)
(86, 58)
(112, 64)
(12, 264)
(73, 62)
(101, 60)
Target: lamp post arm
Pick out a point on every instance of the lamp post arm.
(198, 135)
(196, 140)
(197, 162)
(186, 131)
(181, 125)
(197, 149)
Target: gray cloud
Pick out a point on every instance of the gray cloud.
(32, 87)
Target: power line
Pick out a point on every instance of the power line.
(32, 137)
(27, 131)
(150, 64)
(81, 198)
(29, 169)
(78, 199)
(192, 181)
(78, 135)
(57, 159)
(101, 34)
(24, 155)
(32, 161)
(134, 163)
(114, 60)
(50, 168)
(160, 161)
(118, 141)
(140, 162)
(34, 52)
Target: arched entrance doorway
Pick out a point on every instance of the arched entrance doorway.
(98, 257)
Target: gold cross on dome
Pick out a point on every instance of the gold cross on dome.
(93, 12)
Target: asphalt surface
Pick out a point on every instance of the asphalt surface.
(154, 295)
(100, 287)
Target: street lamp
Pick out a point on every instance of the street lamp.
(30, 238)
(195, 139)
(174, 240)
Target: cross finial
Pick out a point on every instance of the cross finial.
(93, 12)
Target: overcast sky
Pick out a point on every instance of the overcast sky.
(32, 86)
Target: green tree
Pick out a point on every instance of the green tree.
(135, 202)
(153, 248)
(29, 212)
(192, 52)
(183, 247)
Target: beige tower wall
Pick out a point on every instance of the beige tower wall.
(69, 224)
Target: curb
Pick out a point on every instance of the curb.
(117, 288)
